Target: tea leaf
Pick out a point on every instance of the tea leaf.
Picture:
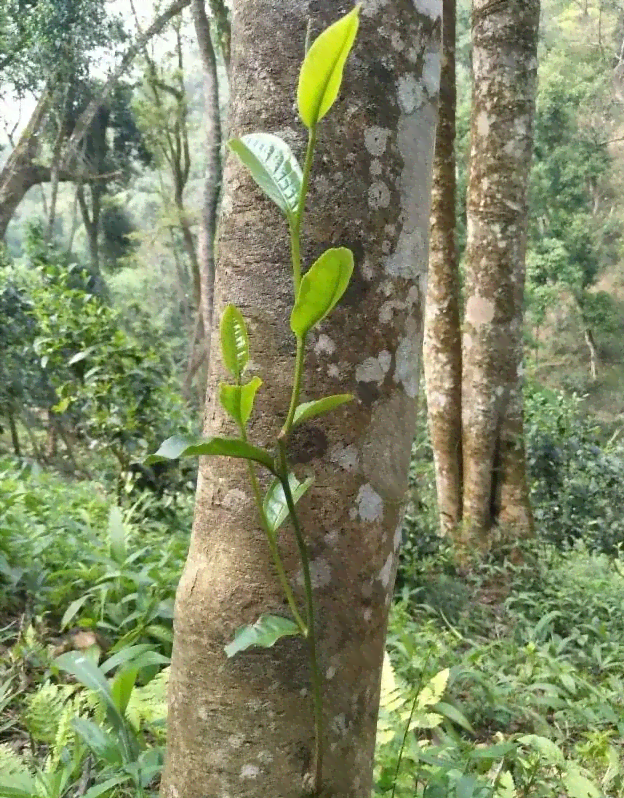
(321, 288)
(321, 72)
(273, 166)
(188, 446)
(265, 632)
(238, 400)
(309, 410)
(275, 506)
(234, 341)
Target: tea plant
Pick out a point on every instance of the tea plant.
(275, 169)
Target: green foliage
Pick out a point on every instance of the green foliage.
(321, 73)
(533, 703)
(273, 166)
(265, 633)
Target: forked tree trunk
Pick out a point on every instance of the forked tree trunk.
(505, 82)
(442, 349)
(244, 727)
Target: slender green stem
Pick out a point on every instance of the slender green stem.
(273, 547)
(296, 389)
(317, 682)
(295, 226)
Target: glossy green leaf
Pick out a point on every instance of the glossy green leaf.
(117, 535)
(88, 674)
(275, 506)
(122, 687)
(309, 410)
(321, 288)
(189, 446)
(234, 341)
(321, 72)
(273, 166)
(264, 633)
(238, 400)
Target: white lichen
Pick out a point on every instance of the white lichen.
(324, 345)
(431, 73)
(386, 572)
(347, 457)
(410, 93)
(376, 140)
(374, 369)
(378, 195)
(370, 504)
(431, 8)
(250, 772)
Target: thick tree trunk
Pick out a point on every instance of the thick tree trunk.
(213, 176)
(505, 78)
(244, 727)
(442, 349)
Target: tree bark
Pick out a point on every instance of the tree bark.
(244, 727)
(213, 175)
(505, 81)
(442, 347)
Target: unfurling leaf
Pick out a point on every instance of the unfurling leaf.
(309, 410)
(189, 446)
(321, 72)
(321, 288)
(238, 400)
(265, 633)
(234, 341)
(275, 506)
(273, 166)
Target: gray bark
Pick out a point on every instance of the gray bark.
(243, 727)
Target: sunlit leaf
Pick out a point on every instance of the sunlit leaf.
(275, 507)
(321, 72)
(273, 166)
(578, 785)
(116, 535)
(309, 410)
(234, 341)
(265, 632)
(189, 446)
(321, 289)
(238, 400)
(434, 689)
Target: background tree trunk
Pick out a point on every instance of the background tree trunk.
(505, 82)
(442, 349)
(213, 176)
(243, 727)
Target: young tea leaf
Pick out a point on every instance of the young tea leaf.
(238, 400)
(265, 632)
(273, 166)
(321, 288)
(321, 72)
(234, 341)
(275, 506)
(309, 410)
(188, 446)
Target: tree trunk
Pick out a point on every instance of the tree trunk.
(505, 81)
(244, 727)
(19, 173)
(213, 176)
(442, 350)
(14, 433)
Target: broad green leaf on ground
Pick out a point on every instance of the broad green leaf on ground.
(238, 400)
(234, 341)
(273, 166)
(267, 630)
(275, 506)
(321, 289)
(321, 72)
(189, 446)
(309, 410)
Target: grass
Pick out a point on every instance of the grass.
(511, 680)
